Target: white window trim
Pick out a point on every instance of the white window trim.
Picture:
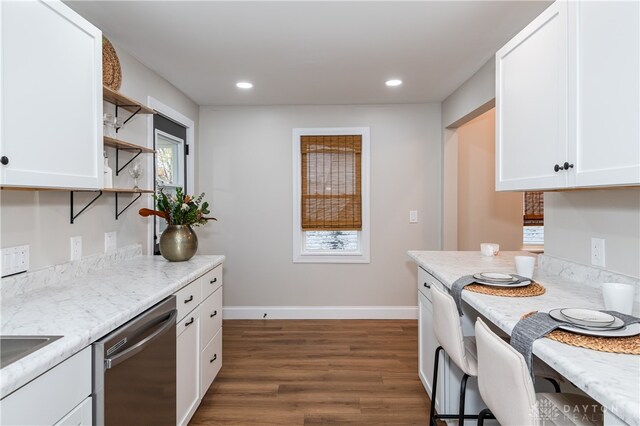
(299, 255)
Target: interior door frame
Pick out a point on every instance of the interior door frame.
(189, 124)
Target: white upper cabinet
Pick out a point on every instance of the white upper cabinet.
(531, 104)
(568, 99)
(51, 97)
(607, 105)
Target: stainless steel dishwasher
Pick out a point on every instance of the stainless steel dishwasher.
(134, 370)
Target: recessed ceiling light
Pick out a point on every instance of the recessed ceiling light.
(244, 85)
(392, 83)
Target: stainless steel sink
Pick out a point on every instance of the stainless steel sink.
(13, 348)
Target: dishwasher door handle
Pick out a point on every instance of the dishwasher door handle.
(166, 324)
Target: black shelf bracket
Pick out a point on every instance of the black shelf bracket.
(133, 113)
(118, 168)
(75, 216)
(119, 213)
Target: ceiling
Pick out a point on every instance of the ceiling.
(304, 52)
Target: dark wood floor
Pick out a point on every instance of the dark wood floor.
(317, 372)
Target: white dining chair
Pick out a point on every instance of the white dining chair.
(462, 352)
(507, 388)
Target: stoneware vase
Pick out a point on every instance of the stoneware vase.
(178, 243)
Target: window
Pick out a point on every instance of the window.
(331, 195)
(533, 218)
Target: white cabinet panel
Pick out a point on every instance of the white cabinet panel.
(51, 96)
(55, 393)
(211, 281)
(211, 313)
(427, 345)
(211, 362)
(607, 47)
(188, 366)
(531, 101)
(80, 416)
(188, 298)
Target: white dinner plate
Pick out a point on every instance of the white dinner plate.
(494, 277)
(501, 284)
(623, 331)
(588, 317)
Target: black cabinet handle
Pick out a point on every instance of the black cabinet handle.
(213, 281)
(188, 323)
(213, 314)
(427, 285)
(215, 356)
(567, 166)
(189, 299)
(4, 160)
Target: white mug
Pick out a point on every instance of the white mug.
(489, 249)
(618, 297)
(525, 265)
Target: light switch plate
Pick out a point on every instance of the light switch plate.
(14, 260)
(76, 248)
(109, 241)
(413, 216)
(597, 252)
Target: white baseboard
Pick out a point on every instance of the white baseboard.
(320, 312)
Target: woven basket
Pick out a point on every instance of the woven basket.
(111, 72)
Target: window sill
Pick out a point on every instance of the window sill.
(330, 258)
(538, 249)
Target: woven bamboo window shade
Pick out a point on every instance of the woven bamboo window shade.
(331, 182)
(533, 208)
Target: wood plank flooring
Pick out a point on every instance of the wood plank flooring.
(317, 372)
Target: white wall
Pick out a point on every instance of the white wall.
(41, 219)
(571, 219)
(245, 169)
(484, 215)
(473, 98)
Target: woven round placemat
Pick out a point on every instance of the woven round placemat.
(618, 345)
(531, 290)
(111, 71)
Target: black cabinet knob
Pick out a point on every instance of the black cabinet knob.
(557, 168)
(567, 166)
(4, 160)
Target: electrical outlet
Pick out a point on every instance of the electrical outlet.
(76, 248)
(14, 260)
(597, 252)
(109, 241)
(413, 216)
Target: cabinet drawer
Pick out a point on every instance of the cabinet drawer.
(80, 416)
(211, 362)
(211, 281)
(211, 313)
(48, 398)
(425, 281)
(191, 320)
(188, 298)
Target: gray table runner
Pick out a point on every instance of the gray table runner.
(459, 285)
(538, 325)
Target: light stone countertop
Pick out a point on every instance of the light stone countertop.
(611, 379)
(87, 307)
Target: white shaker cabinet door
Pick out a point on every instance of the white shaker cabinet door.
(187, 366)
(607, 65)
(427, 345)
(51, 96)
(531, 104)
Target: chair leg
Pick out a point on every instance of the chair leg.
(434, 387)
(555, 384)
(463, 391)
(484, 414)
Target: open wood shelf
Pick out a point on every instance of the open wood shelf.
(128, 190)
(126, 146)
(122, 101)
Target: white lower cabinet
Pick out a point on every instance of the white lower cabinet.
(80, 416)
(188, 366)
(61, 396)
(199, 341)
